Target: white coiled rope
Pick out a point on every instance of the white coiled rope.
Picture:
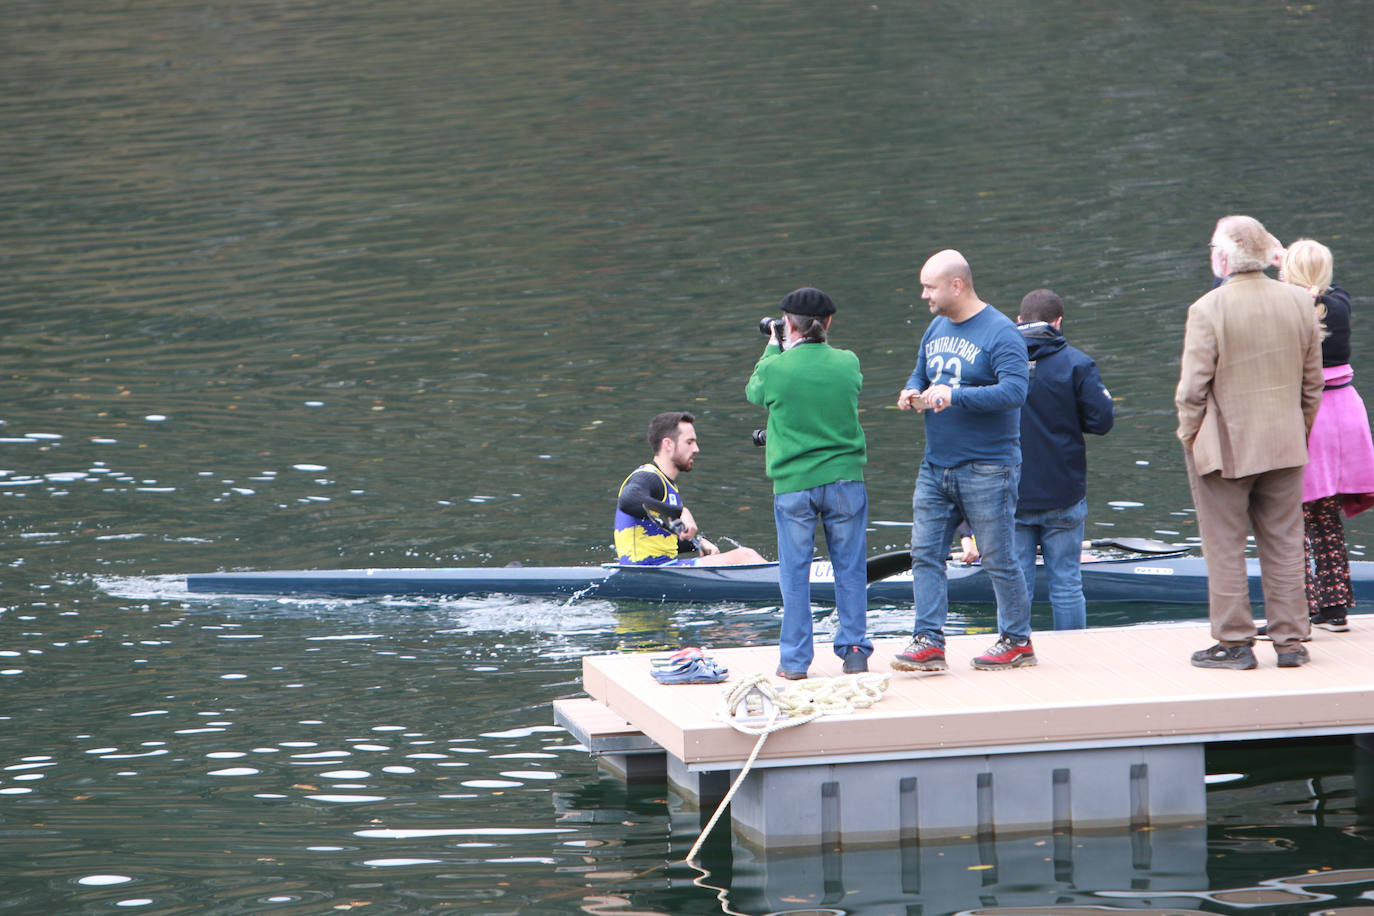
(802, 702)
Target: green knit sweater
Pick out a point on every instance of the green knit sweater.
(812, 395)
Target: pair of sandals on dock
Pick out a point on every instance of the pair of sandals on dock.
(688, 666)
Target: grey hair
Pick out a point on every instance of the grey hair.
(1248, 246)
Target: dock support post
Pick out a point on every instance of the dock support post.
(636, 769)
(703, 790)
(910, 800)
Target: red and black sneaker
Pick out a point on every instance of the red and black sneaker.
(922, 655)
(1007, 652)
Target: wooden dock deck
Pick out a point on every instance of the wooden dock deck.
(1091, 688)
(1128, 688)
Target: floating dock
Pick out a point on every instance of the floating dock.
(1109, 729)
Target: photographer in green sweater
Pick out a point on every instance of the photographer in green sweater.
(815, 457)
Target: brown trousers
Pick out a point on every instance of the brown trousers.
(1271, 504)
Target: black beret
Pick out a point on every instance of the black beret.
(808, 301)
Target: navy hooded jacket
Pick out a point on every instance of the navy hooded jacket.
(1066, 399)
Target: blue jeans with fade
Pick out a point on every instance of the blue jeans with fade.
(1059, 535)
(985, 496)
(842, 509)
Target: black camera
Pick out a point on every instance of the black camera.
(766, 325)
(760, 437)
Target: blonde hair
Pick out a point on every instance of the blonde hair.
(1307, 263)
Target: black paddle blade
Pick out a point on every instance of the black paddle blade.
(888, 564)
(1141, 545)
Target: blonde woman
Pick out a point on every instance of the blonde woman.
(1340, 468)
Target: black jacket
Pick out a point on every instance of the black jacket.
(1066, 399)
(1336, 345)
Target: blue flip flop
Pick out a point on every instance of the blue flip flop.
(677, 658)
(692, 671)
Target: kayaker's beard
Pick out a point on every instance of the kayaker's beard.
(683, 464)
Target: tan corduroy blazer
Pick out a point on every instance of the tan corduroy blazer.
(1251, 379)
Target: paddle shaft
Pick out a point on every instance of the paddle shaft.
(885, 565)
(879, 567)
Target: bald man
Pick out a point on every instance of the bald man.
(970, 381)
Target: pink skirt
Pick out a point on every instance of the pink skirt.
(1340, 451)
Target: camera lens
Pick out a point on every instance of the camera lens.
(766, 324)
(760, 437)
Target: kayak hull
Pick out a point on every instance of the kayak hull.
(1155, 580)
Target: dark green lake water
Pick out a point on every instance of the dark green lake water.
(306, 284)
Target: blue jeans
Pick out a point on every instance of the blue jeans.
(842, 509)
(984, 495)
(1059, 534)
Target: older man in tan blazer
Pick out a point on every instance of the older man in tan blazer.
(1248, 391)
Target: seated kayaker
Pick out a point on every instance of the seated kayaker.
(649, 505)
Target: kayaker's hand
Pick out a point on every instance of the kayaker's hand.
(707, 548)
(689, 525)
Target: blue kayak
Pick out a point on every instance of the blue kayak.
(1149, 579)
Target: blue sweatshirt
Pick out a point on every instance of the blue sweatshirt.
(1066, 399)
(983, 360)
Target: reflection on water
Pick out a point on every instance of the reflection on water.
(262, 743)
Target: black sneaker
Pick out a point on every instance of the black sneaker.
(792, 675)
(1331, 619)
(1241, 658)
(855, 662)
(1294, 656)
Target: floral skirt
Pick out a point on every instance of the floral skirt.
(1328, 566)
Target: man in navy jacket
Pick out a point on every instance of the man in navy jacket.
(1066, 399)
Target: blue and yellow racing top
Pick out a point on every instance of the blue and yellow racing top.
(638, 540)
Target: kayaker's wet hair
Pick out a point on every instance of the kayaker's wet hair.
(1041, 305)
(809, 326)
(664, 426)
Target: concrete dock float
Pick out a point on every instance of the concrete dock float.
(1109, 729)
